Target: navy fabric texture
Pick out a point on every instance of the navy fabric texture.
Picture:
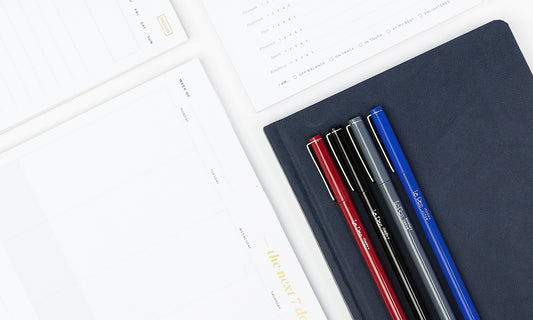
(463, 113)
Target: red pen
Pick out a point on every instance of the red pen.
(338, 192)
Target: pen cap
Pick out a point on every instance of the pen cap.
(348, 159)
(370, 153)
(390, 141)
(329, 170)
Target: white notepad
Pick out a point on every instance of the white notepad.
(51, 50)
(145, 207)
(280, 47)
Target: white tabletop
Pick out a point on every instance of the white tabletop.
(205, 44)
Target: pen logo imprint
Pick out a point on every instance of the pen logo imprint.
(401, 213)
(418, 199)
(420, 205)
(382, 229)
(360, 234)
(165, 25)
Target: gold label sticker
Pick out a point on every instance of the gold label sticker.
(163, 22)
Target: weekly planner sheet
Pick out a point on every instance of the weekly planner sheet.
(163, 218)
(280, 47)
(51, 50)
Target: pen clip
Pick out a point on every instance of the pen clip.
(358, 153)
(318, 168)
(336, 157)
(379, 142)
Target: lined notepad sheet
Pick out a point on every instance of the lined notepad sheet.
(280, 47)
(144, 208)
(51, 50)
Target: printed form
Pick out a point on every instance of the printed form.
(52, 50)
(280, 47)
(162, 219)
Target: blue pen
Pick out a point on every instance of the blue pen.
(399, 162)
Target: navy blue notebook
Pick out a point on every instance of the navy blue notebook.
(463, 113)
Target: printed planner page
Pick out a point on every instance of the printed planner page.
(51, 50)
(280, 47)
(144, 208)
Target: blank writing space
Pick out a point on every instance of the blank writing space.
(62, 40)
(48, 55)
(68, 304)
(14, 61)
(28, 55)
(19, 210)
(170, 276)
(6, 106)
(98, 156)
(43, 271)
(84, 32)
(113, 27)
(3, 311)
(244, 297)
(135, 216)
(14, 304)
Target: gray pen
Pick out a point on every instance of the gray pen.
(381, 177)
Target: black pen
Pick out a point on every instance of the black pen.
(354, 170)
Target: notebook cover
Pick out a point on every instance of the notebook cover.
(463, 113)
